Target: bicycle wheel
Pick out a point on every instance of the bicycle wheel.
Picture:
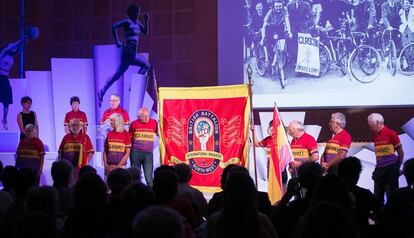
(365, 64)
(325, 59)
(406, 60)
(261, 60)
(392, 58)
(342, 57)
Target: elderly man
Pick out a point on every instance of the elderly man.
(337, 147)
(143, 131)
(76, 146)
(303, 145)
(386, 144)
(115, 108)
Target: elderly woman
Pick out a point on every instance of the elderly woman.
(117, 145)
(30, 152)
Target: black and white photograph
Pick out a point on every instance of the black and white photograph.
(321, 46)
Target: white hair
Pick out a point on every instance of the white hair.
(143, 110)
(339, 118)
(375, 118)
(118, 122)
(117, 96)
(30, 127)
(297, 125)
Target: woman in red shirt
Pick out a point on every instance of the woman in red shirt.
(117, 145)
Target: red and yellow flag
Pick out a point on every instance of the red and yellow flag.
(205, 127)
(281, 155)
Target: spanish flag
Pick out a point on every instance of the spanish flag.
(281, 154)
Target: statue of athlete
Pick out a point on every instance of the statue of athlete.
(132, 28)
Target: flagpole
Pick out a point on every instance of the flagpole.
(249, 76)
(155, 89)
(158, 111)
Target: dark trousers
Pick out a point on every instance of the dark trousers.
(385, 180)
(145, 159)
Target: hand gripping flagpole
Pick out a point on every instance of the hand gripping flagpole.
(249, 71)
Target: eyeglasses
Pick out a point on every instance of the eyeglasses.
(114, 100)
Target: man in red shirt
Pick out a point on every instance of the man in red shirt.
(143, 132)
(387, 170)
(76, 147)
(115, 108)
(303, 145)
(75, 113)
(267, 144)
(337, 147)
(30, 152)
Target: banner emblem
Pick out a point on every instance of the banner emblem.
(203, 142)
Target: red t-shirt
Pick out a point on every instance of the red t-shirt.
(267, 143)
(303, 147)
(28, 153)
(386, 143)
(108, 112)
(143, 135)
(75, 149)
(115, 145)
(76, 114)
(339, 142)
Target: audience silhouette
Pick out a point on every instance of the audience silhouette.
(122, 207)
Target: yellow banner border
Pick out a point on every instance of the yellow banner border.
(206, 189)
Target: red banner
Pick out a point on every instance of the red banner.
(207, 134)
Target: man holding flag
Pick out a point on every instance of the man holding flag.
(279, 155)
